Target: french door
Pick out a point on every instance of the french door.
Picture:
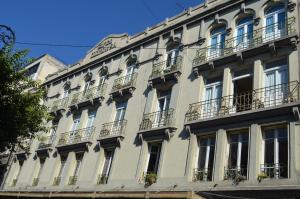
(119, 117)
(275, 22)
(212, 100)
(206, 157)
(217, 43)
(276, 87)
(171, 58)
(162, 109)
(244, 34)
(75, 127)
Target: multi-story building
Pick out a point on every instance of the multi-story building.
(38, 71)
(204, 104)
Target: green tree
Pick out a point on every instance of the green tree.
(22, 114)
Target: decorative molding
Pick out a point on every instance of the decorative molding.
(291, 6)
(296, 113)
(228, 31)
(256, 21)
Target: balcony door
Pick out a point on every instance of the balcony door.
(75, 126)
(275, 152)
(206, 158)
(171, 58)
(163, 106)
(153, 157)
(275, 23)
(90, 122)
(276, 86)
(119, 117)
(217, 43)
(108, 157)
(212, 100)
(86, 87)
(244, 33)
(129, 74)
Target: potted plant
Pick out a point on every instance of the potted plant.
(150, 178)
(262, 176)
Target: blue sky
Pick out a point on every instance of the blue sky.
(81, 22)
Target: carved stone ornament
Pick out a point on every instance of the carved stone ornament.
(88, 76)
(291, 6)
(103, 71)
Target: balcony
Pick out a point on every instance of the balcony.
(102, 179)
(235, 174)
(202, 175)
(276, 171)
(56, 181)
(158, 123)
(248, 44)
(258, 102)
(72, 180)
(59, 106)
(75, 139)
(91, 96)
(113, 132)
(35, 182)
(123, 86)
(166, 71)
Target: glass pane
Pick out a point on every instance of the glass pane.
(281, 20)
(244, 155)
(202, 157)
(232, 163)
(269, 151)
(270, 24)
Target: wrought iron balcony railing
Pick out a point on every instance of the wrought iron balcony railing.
(72, 180)
(253, 100)
(202, 174)
(77, 136)
(89, 94)
(35, 182)
(102, 179)
(124, 82)
(166, 67)
(14, 182)
(59, 104)
(116, 128)
(56, 181)
(235, 174)
(157, 119)
(276, 171)
(246, 41)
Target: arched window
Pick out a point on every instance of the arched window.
(217, 42)
(275, 22)
(244, 32)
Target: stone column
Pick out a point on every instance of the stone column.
(294, 160)
(258, 74)
(191, 160)
(220, 157)
(255, 149)
(293, 66)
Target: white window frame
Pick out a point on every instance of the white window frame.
(245, 37)
(276, 31)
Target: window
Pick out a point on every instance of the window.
(163, 105)
(66, 93)
(212, 99)
(275, 152)
(276, 83)
(76, 122)
(238, 155)
(86, 87)
(101, 81)
(244, 33)
(204, 169)
(153, 157)
(79, 157)
(108, 157)
(217, 42)
(32, 71)
(119, 117)
(275, 19)
(129, 73)
(171, 58)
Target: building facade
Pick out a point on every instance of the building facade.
(204, 104)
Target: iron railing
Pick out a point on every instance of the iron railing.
(89, 94)
(56, 181)
(248, 40)
(256, 99)
(202, 174)
(274, 170)
(124, 82)
(35, 182)
(157, 119)
(77, 136)
(14, 182)
(116, 128)
(72, 180)
(235, 173)
(59, 104)
(102, 179)
(166, 67)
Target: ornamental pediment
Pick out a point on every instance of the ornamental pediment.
(107, 45)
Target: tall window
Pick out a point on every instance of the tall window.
(204, 169)
(212, 99)
(217, 42)
(276, 87)
(153, 157)
(129, 73)
(66, 92)
(163, 106)
(275, 22)
(275, 152)
(108, 157)
(244, 33)
(101, 81)
(171, 58)
(238, 155)
(87, 86)
(119, 117)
